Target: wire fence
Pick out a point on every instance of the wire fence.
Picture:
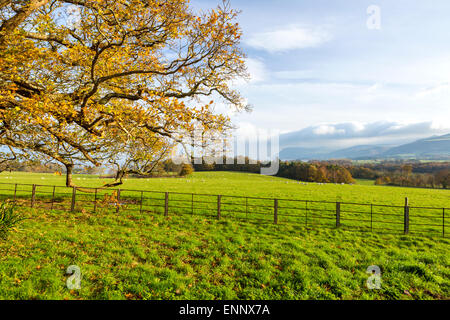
(430, 221)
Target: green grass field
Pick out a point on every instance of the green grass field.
(129, 255)
(253, 185)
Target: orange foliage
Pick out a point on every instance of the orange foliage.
(120, 87)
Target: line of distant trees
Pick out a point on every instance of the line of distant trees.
(31, 166)
(396, 173)
(162, 169)
(239, 164)
(320, 172)
(301, 171)
(440, 179)
(414, 174)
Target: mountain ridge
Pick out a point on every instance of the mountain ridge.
(431, 148)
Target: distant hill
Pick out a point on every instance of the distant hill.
(303, 154)
(354, 153)
(433, 148)
(358, 152)
(430, 148)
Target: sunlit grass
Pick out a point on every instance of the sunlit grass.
(243, 184)
(134, 255)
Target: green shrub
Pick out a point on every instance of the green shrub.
(186, 170)
(9, 218)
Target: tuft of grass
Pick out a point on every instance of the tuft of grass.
(9, 218)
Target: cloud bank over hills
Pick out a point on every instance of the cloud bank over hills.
(345, 135)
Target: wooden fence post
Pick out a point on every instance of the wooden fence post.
(338, 214)
(33, 195)
(74, 194)
(219, 202)
(443, 222)
(306, 213)
(95, 201)
(275, 211)
(406, 218)
(166, 205)
(53, 197)
(142, 200)
(371, 218)
(118, 201)
(246, 208)
(15, 192)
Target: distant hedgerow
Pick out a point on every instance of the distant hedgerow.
(9, 218)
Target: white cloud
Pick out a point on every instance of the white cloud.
(245, 130)
(443, 88)
(257, 71)
(291, 106)
(295, 74)
(288, 38)
(358, 133)
(327, 130)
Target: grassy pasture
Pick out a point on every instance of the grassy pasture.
(243, 184)
(363, 208)
(133, 255)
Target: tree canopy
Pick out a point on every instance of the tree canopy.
(118, 86)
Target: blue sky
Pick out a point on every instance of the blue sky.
(316, 67)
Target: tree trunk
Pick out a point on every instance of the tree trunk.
(69, 169)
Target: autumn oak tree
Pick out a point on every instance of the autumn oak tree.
(119, 86)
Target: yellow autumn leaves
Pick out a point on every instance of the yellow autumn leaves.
(117, 89)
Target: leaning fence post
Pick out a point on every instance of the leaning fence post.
(118, 201)
(74, 194)
(219, 202)
(166, 205)
(338, 214)
(406, 218)
(33, 195)
(275, 211)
